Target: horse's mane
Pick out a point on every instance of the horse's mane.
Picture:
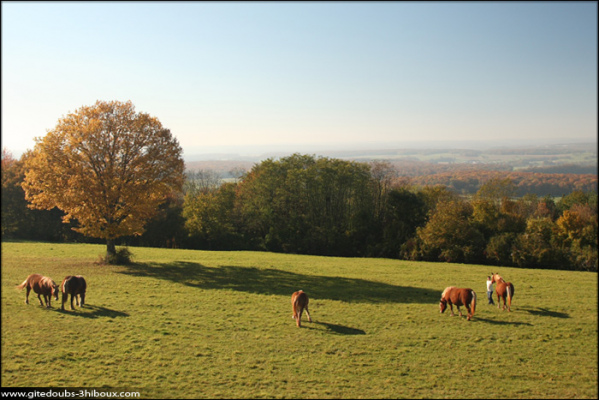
(63, 284)
(447, 289)
(45, 281)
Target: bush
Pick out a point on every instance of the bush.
(122, 257)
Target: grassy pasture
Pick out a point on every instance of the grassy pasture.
(197, 324)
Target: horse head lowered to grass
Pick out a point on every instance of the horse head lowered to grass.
(42, 285)
(299, 302)
(460, 297)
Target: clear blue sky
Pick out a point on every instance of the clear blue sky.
(292, 73)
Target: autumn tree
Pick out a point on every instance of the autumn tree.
(496, 190)
(577, 233)
(107, 167)
(449, 235)
(577, 197)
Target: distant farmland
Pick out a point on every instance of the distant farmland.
(544, 170)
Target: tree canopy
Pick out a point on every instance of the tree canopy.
(310, 205)
(105, 166)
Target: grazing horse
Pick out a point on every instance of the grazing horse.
(75, 286)
(504, 290)
(299, 302)
(42, 285)
(460, 297)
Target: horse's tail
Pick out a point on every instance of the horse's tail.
(473, 302)
(297, 311)
(300, 300)
(509, 295)
(22, 285)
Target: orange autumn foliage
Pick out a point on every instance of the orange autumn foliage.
(106, 166)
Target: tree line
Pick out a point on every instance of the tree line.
(324, 206)
(528, 182)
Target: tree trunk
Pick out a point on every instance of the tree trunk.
(110, 249)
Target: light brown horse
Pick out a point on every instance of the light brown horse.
(75, 286)
(504, 290)
(299, 302)
(460, 297)
(42, 285)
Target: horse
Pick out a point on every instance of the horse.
(460, 297)
(75, 286)
(504, 290)
(299, 302)
(42, 285)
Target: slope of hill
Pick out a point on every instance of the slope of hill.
(200, 324)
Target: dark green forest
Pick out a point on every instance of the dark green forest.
(325, 206)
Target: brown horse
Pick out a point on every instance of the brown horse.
(460, 297)
(75, 286)
(42, 285)
(504, 290)
(299, 302)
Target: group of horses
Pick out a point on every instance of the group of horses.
(73, 285)
(467, 297)
(76, 286)
(451, 296)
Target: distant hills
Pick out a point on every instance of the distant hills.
(559, 158)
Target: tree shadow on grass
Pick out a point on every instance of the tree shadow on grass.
(495, 322)
(96, 312)
(543, 312)
(340, 329)
(271, 281)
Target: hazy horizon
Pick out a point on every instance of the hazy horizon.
(226, 152)
(229, 151)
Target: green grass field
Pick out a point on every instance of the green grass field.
(198, 324)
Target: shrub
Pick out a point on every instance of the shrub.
(122, 257)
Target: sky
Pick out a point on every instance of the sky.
(241, 76)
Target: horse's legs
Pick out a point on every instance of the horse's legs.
(460, 311)
(65, 296)
(469, 312)
(39, 297)
(27, 295)
(451, 308)
(308, 313)
(77, 300)
(72, 295)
